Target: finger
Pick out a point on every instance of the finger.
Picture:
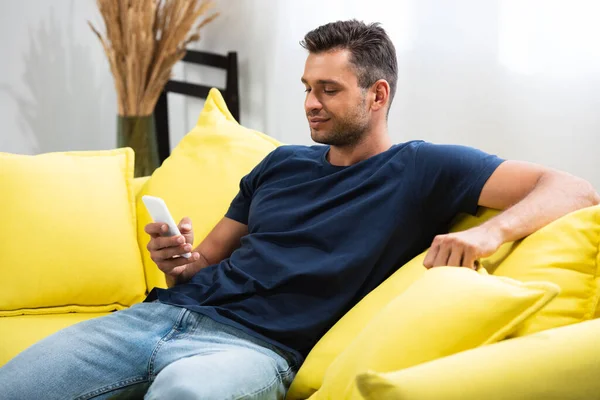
(185, 225)
(442, 256)
(156, 228)
(176, 271)
(170, 252)
(455, 256)
(163, 242)
(469, 260)
(170, 241)
(430, 257)
(168, 266)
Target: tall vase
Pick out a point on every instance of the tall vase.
(139, 133)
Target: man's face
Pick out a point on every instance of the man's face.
(335, 105)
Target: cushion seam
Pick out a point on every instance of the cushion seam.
(22, 311)
(511, 326)
(129, 168)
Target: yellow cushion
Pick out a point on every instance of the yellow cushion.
(22, 331)
(68, 233)
(565, 252)
(138, 184)
(311, 374)
(446, 311)
(562, 363)
(466, 221)
(202, 175)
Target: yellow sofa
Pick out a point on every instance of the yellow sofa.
(554, 353)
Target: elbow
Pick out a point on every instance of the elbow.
(588, 195)
(594, 197)
(578, 189)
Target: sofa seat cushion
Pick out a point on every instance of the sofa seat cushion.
(22, 331)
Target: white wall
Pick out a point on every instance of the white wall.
(519, 78)
(56, 91)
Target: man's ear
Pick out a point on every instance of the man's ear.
(381, 92)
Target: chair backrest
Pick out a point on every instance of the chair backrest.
(230, 93)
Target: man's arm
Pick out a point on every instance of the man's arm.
(531, 195)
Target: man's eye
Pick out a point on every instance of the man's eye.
(329, 91)
(307, 90)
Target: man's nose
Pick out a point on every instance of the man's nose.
(311, 103)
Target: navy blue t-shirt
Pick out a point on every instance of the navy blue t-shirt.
(321, 237)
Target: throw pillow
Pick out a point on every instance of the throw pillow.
(68, 233)
(446, 311)
(565, 252)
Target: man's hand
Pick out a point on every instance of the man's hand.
(166, 251)
(462, 249)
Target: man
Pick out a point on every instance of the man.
(312, 230)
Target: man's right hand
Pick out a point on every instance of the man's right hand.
(166, 251)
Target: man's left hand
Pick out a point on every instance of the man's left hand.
(462, 249)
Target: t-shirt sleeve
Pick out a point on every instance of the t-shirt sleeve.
(451, 178)
(239, 209)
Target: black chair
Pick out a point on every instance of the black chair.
(230, 93)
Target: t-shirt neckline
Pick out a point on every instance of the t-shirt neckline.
(327, 164)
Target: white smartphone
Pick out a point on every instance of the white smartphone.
(157, 208)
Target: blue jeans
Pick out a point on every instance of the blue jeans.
(151, 350)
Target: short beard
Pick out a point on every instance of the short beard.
(348, 132)
(343, 135)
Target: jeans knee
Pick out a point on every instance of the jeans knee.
(175, 390)
(177, 381)
(174, 383)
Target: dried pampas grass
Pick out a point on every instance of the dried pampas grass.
(144, 39)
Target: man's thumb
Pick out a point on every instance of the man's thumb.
(185, 225)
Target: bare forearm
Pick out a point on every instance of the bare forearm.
(553, 196)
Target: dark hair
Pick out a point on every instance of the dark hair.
(372, 52)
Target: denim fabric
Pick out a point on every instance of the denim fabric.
(151, 351)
